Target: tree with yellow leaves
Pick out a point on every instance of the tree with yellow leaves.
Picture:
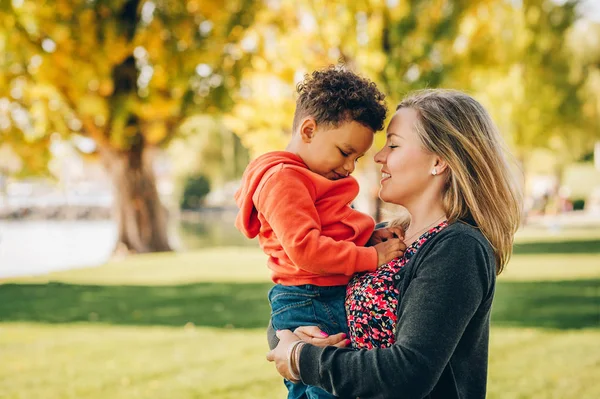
(124, 73)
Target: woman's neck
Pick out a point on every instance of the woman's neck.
(424, 216)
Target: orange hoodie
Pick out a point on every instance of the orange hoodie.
(304, 222)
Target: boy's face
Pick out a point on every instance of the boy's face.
(332, 152)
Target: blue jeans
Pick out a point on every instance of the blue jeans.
(308, 305)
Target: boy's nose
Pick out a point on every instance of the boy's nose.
(349, 167)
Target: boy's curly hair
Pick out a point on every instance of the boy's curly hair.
(335, 95)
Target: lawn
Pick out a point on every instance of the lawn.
(190, 325)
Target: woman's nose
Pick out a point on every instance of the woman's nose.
(380, 156)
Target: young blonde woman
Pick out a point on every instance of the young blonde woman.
(419, 327)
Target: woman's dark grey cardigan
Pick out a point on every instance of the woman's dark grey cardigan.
(442, 335)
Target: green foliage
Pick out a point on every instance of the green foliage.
(124, 73)
(195, 190)
(578, 204)
(205, 146)
(401, 46)
(118, 70)
(517, 58)
(537, 88)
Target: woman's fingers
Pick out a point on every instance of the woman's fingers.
(271, 355)
(286, 336)
(315, 336)
(343, 343)
(340, 340)
(310, 332)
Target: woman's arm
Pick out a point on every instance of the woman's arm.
(451, 283)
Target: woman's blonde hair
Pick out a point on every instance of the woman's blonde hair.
(479, 184)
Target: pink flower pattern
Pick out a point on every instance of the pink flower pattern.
(372, 299)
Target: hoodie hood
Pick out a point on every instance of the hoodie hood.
(247, 218)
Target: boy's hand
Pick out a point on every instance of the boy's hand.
(388, 250)
(384, 234)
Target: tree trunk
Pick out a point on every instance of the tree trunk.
(141, 218)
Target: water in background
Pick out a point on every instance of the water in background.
(41, 246)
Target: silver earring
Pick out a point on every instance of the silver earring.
(434, 172)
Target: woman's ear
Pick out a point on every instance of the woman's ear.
(439, 166)
(307, 129)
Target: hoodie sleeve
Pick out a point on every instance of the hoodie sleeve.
(287, 201)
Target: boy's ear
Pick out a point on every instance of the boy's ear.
(307, 129)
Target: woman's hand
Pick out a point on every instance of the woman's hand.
(382, 235)
(313, 335)
(279, 355)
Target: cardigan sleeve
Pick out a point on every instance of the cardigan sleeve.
(448, 287)
(287, 202)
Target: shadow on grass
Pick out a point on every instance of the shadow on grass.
(204, 304)
(549, 304)
(562, 305)
(564, 247)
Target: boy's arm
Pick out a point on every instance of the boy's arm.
(287, 202)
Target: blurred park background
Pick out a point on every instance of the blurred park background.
(125, 126)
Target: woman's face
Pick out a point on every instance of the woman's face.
(405, 165)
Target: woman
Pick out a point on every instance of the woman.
(420, 324)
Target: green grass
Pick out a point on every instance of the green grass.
(103, 361)
(190, 325)
(214, 265)
(544, 364)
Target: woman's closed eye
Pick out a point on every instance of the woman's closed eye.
(344, 154)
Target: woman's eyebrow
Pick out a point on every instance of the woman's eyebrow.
(393, 134)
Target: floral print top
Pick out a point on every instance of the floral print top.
(372, 299)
